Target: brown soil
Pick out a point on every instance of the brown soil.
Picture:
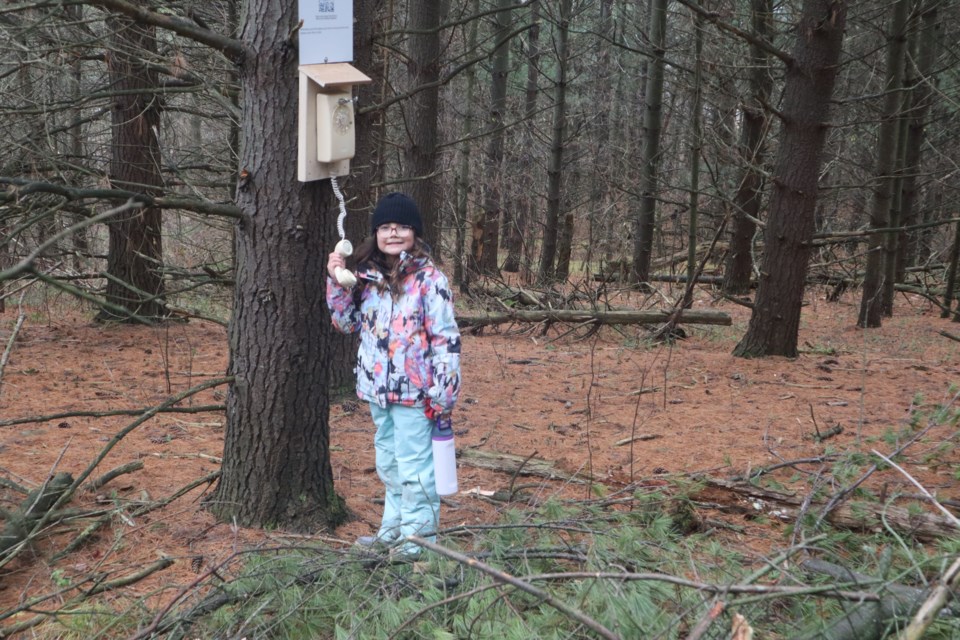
(569, 401)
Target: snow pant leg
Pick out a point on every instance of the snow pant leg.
(386, 461)
(404, 453)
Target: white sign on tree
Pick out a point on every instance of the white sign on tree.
(327, 31)
(325, 119)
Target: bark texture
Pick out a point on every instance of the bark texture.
(488, 257)
(276, 464)
(775, 321)
(135, 254)
(871, 302)
(739, 266)
(551, 230)
(646, 220)
(421, 112)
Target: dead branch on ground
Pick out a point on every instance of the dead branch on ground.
(522, 465)
(860, 516)
(108, 517)
(129, 467)
(74, 484)
(867, 620)
(107, 414)
(617, 317)
(99, 586)
(22, 522)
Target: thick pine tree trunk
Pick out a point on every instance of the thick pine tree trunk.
(775, 321)
(276, 464)
(135, 254)
(739, 267)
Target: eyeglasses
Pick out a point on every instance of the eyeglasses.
(399, 229)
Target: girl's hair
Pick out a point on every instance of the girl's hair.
(368, 254)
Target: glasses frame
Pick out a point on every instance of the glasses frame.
(399, 229)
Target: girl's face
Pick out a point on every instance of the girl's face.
(393, 238)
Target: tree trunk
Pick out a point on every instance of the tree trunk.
(135, 288)
(646, 219)
(775, 320)
(421, 114)
(950, 288)
(276, 465)
(462, 186)
(871, 302)
(75, 145)
(600, 172)
(696, 145)
(493, 180)
(893, 238)
(923, 97)
(551, 230)
(518, 240)
(739, 267)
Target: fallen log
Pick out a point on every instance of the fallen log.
(594, 317)
(859, 516)
(865, 620)
(520, 465)
(21, 522)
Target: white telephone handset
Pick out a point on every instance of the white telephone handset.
(345, 248)
(344, 276)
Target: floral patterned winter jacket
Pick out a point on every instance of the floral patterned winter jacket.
(409, 346)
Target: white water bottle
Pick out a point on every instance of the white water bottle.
(444, 456)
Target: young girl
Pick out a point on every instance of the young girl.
(408, 365)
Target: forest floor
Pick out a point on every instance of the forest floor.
(568, 401)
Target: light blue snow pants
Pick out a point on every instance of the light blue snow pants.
(404, 449)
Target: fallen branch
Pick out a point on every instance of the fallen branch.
(595, 317)
(106, 414)
(701, 627)
(868, 620)
(835, 430)
(865, 516)
(950, 517)
(506, 578)
(114, 441)
(129, 467)
(97, 588)
(642, 436)
(512, 464)
(946, 334)
(95, 526)
(32, 510)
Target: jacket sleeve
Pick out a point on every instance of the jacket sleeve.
(343, 309)
(444, 336)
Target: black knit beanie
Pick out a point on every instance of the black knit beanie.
(399, 208)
